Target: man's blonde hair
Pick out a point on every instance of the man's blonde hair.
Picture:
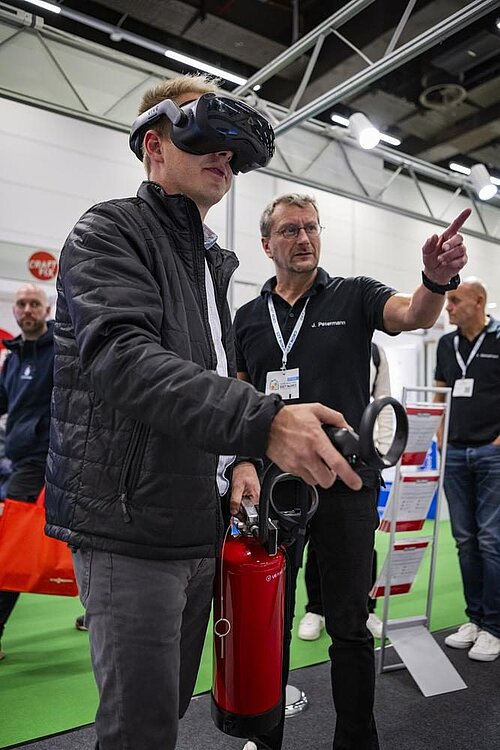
(174, 88)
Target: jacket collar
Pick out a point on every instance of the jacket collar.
(174, 210)
(178, 212)
(18, 342)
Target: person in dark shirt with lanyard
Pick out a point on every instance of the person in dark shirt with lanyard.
(468, 361)
(307, 337)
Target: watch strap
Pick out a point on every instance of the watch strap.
(440, 288)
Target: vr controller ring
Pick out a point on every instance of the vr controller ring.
(367, 450)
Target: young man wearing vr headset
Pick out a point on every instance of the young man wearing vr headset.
(311, 333)
(145, 421)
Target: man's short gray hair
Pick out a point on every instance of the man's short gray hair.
(290, 199)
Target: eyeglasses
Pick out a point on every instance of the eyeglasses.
(291, 231)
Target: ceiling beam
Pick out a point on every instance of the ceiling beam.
(334, 21)
(378, 69)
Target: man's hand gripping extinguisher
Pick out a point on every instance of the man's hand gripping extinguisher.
(249, 608)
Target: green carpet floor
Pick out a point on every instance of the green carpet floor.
(46, 684)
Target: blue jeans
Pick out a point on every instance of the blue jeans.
(472, 486)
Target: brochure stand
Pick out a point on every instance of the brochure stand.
(410, 636)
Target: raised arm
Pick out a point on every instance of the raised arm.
(443, 258)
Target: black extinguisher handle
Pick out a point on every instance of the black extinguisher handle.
(361, 447)
(309, 502)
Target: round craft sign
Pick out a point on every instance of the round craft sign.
(43, 265)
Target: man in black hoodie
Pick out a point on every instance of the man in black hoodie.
(25, 391)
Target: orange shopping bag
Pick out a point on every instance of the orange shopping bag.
(29, 560)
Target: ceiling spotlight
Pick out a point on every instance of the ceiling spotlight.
(455, 167)
(366, 134)
(390, 139)
(339, 119)
(193, 63)
(482, 183)
(46, 6)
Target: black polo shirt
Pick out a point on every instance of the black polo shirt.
(474, 420)
(332, 350)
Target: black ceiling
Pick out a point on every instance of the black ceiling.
(444, 104)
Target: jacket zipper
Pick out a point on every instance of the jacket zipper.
(199, 273)
(131, 467)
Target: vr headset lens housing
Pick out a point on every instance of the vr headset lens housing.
(210, 124)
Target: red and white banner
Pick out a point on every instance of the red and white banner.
(415, 494)
(423, 422)
(406, 557)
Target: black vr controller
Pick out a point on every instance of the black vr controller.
(359, 449)
(288, 503)
(209, 124)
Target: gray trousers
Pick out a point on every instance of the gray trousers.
(147, 621)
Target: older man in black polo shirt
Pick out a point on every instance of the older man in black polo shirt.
(468, 360)
(307, 336)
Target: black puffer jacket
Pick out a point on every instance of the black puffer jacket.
(138, 416)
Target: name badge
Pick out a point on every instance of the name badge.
(285, 383)
(463, 387)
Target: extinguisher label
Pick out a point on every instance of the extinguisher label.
(272, 576)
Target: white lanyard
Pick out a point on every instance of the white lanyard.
(277, 331)
(464, 365)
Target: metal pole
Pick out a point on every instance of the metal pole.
(361, 80)
(308, 73)
(432, 570)
(373, 202)
(336, 19)
(421, 192)
(394, 510)
(399, 29)
(352, 46)
(295, 20)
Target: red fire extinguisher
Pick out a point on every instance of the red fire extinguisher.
(249, 613)
(249, 609)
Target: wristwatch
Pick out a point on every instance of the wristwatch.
(440, 288)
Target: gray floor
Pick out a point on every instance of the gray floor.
(463, 720)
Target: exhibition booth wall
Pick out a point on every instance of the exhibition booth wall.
(54, 167)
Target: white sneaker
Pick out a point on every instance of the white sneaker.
(374, 625)
(485, 648)
(310, 628)
(464, 637)
(250, 745)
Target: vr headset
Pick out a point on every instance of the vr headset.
(210, 124)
